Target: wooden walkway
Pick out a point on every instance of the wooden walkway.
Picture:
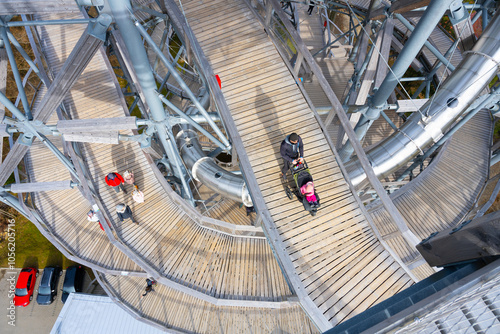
(443, 194)
(65, 211)
(342, 266)
(169, 238)
(180, 312)
(343, 269)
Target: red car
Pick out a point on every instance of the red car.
(25, 286)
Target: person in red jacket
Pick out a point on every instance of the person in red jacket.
(116, 181)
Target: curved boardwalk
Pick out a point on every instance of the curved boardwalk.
(178, 311)
(443, 194)
(169, 238)
(342, 267)
(65, 211)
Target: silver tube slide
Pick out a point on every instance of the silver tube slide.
(205, 170)
(456, 94)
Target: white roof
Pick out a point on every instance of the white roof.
(84, 313)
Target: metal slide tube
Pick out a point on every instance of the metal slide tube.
(121, 12)
(204, 169)
(422, 31)
(493, 97)
(456, 94)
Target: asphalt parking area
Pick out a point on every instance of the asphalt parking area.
(33, 318)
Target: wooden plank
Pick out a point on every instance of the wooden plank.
(385, 48)
(103, 138)
(40, 186)
(97, 124)
(19, 7)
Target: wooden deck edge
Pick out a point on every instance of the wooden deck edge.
(42, 226)
(291, 302)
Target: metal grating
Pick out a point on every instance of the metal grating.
(477, 311)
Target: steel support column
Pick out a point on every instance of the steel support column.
(122, 13)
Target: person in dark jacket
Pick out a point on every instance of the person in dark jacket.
(116, 181)
(149, 286)
(124, 212)
(292, 152)
(311, 8)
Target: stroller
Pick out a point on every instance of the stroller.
(301, 176)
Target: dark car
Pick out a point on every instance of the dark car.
(73, 281)
(47, 290)
(25, 286)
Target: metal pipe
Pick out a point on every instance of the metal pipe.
(181, 82)
(15, 72)
(121, 12)
(456, 94)
(494, 96)
(206, 171)
(26, 57)
(177, 56)
(46, 23)
(418, 38)
(427, 44)
(190, 121)
(434, 70)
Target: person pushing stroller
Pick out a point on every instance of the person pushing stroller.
(292, 152)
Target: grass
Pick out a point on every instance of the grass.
(32, 249)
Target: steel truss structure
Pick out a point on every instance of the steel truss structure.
(179, 90)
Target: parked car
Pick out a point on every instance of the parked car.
(47, 289)
(25, 286)
(73, 281)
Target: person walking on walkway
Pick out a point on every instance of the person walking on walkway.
(149, 286)
(92, 217)
(124, 212)
(128, 177)
(311, 8)
(292, 152)
(116, 181)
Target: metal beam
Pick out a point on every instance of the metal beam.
(400, 6)
(15, 72)
(122, 14)
(17, 7)
(183, 85)
(40, 186)
(91, 40)
(97, 125)
(417, 40)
